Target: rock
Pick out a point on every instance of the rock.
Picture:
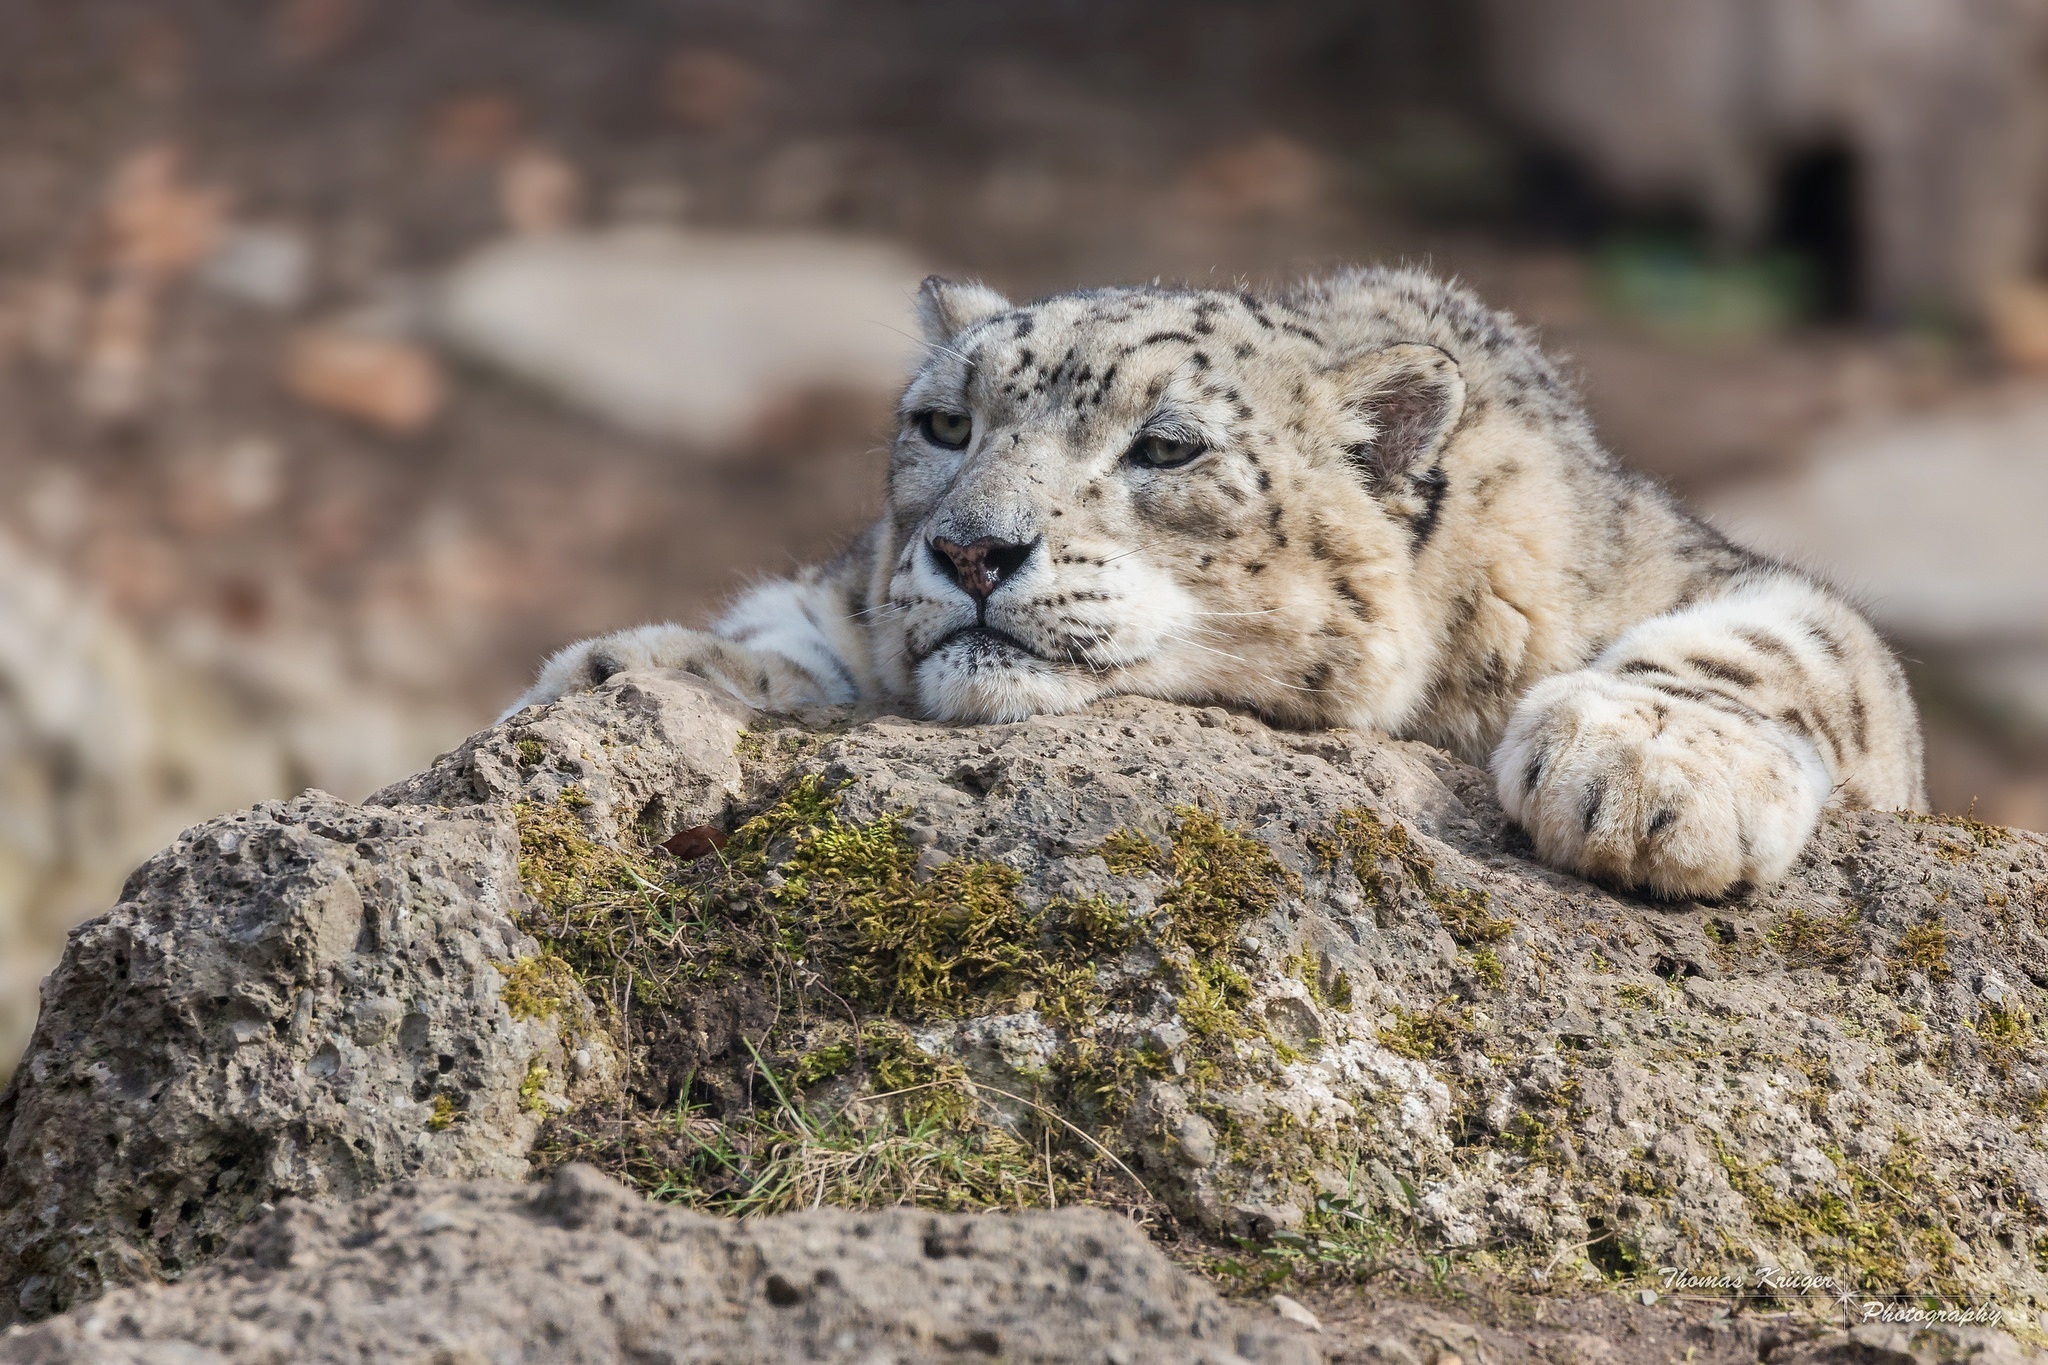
(265, 267)
(1951, 560)
(1299, 986)
(106, 750)
(695, 336)
(578, 1269)
(1262, 176)
(1717, 109)
(1295, 1312)
(710, 91)
(305, 999)
(539, 192)
(384, 383)
(1954, 566)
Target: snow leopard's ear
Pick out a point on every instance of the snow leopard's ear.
(1409, 398)
(946, 308)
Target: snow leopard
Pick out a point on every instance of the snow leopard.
(1368, 500)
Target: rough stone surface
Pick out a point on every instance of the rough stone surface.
(579, 1269)
(297, 1000)
(1842, 1076)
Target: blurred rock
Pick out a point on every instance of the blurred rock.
(309, 30)
(2019, 325)
(112, 383)
(539, 192)
(1936, 521)
(104, 753)
(157, 223)
(694, 336)
(455, 1273)
(212, 489)
(1264, 176)
(477, 127)
(1912, 124)
(267, 267)
(390, 385)
(710, 91)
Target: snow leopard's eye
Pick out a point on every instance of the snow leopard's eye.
(947, 429)
(1164, 452)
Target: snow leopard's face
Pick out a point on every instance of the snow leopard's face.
(1182, 495)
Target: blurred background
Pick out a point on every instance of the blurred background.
(353, 353)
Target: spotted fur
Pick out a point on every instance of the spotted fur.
(1397, 517)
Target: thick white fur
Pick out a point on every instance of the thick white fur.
(1399, 519)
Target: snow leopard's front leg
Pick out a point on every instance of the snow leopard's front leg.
(1695, 755)
(783, 644)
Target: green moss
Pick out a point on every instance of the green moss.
(1975, 835)
(1886, 1235)
(810, 942)
(1328, 988)
(1386, 857)
(822, 1063)
(1342, 1241)
(1213, 996)
(1805, 940)
(1636, 997)
(1923, 948)
(1130, 854)
(1487, 964)
(1222, 879)
(1426, 1034)
(445, 1114)
(533, 1089)
(2006, 1034)
(530, 750)
(538, 987)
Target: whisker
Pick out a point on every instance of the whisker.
(1128, 553)
(1196, 644)
(922, 341)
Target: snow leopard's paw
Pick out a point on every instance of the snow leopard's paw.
(766, 681)
(1633, 787)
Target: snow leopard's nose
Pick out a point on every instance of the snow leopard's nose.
(979, 566)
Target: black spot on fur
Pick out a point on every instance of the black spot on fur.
(1265, 481)
(1722, 670)
(1859, 716)
(1596, 797)
(1642, 666)
(1763, 642)
(1255, 567)
(1432, 484)
(1828, 640)
(1317, 678)
(1493, 674)
(1245, 349)
(1156, 338)
(1360, 608)
(1023, 326)
(1662, 821)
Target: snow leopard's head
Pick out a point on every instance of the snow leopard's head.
(1193, 495)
